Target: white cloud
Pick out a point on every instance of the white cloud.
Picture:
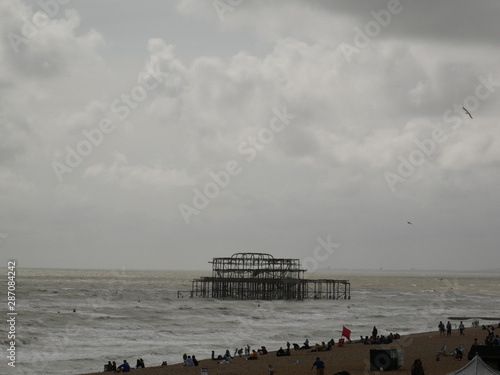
(322, 174)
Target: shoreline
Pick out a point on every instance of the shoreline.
(353, 357)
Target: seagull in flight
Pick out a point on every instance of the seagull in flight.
(409, 222)
(466, 111)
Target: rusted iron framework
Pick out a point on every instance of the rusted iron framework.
(252, 276)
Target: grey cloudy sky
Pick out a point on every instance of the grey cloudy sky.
(159, 134)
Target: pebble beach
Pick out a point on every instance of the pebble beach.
(352, 357)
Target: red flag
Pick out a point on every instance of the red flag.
(346, 332)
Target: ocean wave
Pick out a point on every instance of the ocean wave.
(163, 326)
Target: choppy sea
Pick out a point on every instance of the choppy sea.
(124, 314)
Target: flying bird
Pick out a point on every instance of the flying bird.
(408, 222)
(466, 111)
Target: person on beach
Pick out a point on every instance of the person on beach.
(374, 332)
(441, 328)
(448, 328)
(320, 366)
(458, 354)
(227, 360)
(253, 356)
(108, 367)
(189, 362)
(124, 367)
(271, 370)
(306, 344)
(461, 328)
(417, 368)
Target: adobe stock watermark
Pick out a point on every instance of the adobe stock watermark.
(426, 148)
(223, 6)
(121, 107)
(321, 253)
(30, 29)
(220, 180)
(372, 29)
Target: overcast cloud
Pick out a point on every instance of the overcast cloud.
(158, 135)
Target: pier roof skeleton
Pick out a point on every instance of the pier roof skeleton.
(248, 276)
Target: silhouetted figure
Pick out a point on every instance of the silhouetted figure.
(416, 368)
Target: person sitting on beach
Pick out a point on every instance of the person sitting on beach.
(296, 346)
(114, 366)
(317, 348)
(417, 368)
(253, 356)
(226, 360)
(164, 363)
(489, 340)
(124, 367)
(189, 362)
(306, 344)
(140, 363)
(496, 341)
(456, 353)
(108, 367)
(263, 350)
(195, 361)
(280, 352)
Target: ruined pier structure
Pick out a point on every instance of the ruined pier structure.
(254, 276)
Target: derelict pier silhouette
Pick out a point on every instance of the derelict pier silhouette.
(260, 276)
